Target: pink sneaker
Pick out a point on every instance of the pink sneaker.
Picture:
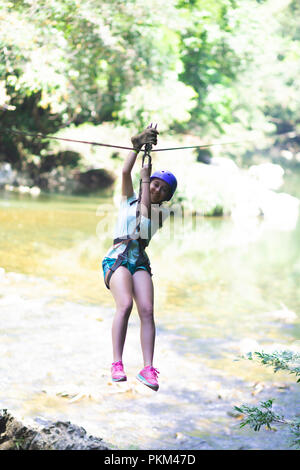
(117, 372)
(148, 376)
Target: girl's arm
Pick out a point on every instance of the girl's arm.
(145, 198)
(127, 188)
(148, 136)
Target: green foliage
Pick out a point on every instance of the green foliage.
(84, 57)
(210, 63)
(193, 66)
(257, 416)
(279, 360)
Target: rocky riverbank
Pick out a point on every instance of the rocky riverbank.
(46, 435)
(57, 180)
(219, 188)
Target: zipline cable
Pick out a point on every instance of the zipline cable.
(47, 136)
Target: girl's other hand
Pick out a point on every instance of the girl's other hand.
(146, 172)
(148, 136)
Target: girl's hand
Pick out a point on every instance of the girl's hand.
(146, 173)
(148, 136)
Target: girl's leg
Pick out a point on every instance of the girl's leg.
(143, 296)
(121, 289)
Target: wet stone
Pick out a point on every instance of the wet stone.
(51, 436)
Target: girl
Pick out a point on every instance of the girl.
(126, 266)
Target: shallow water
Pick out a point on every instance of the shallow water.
(222, 288)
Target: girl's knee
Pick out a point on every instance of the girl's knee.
(146, 312)
(124, 308)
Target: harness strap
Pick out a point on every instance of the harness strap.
(118, 262)
(142, 259)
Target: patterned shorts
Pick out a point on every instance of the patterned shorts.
(107, 263)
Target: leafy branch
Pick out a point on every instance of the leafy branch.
(279, 360)
(263, 415)
(257, 417)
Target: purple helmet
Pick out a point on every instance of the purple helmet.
(169, 178)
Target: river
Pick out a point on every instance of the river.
(222, 288)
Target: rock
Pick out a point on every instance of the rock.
(280, 210)
(225, 163)
(248, 344)
(284, 315)
(93, 180)
(269, 175)
(67, 181)
(50, 436)
(286, 154)
(204, 156)
(7, 175)
(58, 179)
(35, 191)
